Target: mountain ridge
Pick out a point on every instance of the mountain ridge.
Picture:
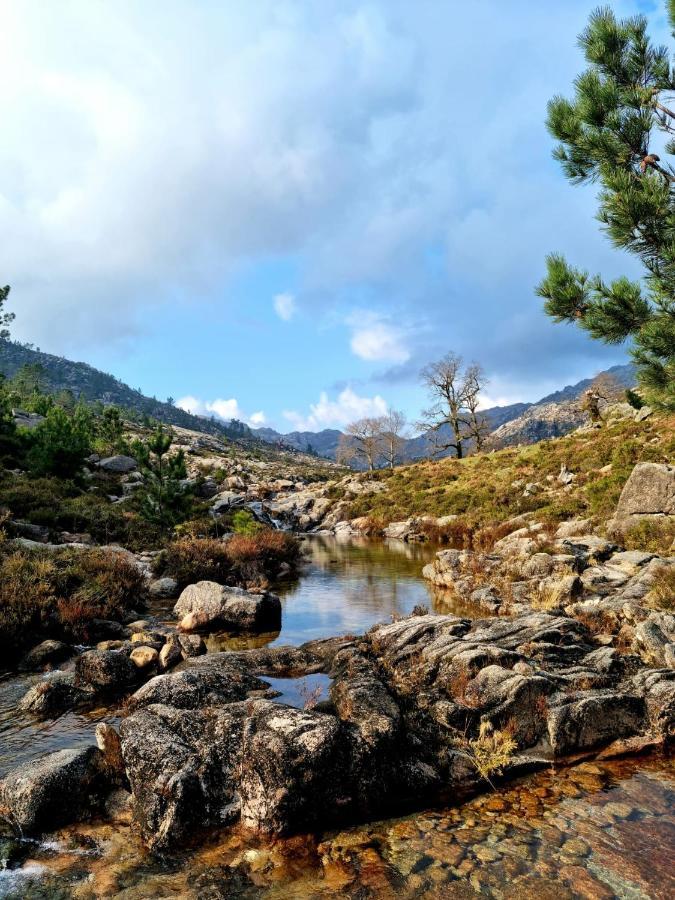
(91, 384)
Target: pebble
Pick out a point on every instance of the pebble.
(575, 847)
(487, 854)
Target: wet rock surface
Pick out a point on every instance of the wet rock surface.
(410, 704)
(53, 789)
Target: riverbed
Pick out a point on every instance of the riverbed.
(593, 830)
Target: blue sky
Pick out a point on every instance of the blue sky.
(282, 210)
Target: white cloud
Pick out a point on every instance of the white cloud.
(285, 306)
(336, 413)
(375, 340)
(221, 409)
(184, 141)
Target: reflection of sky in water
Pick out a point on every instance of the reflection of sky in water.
(348, 585)
(302, 693)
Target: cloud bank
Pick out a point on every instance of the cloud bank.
(393, 152)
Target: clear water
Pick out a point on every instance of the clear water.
(619, 816)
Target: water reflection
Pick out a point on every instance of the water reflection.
(349, 584)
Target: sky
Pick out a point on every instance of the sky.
(281, 210)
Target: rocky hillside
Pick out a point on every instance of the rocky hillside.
(90, 384)
(579, 475)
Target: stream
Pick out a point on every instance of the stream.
(594, 830)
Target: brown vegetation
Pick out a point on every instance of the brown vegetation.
(60, 594)
(243, 559)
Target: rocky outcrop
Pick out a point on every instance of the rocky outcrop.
(118, 465)
(206, 605)
(53, 790)
(408, 703)
(647, 496)
(585, 576)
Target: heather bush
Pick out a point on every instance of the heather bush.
(192, 559)
(260, 557)
(243, 559)
(59, 594)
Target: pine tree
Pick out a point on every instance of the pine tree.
(60, 444)
(165, 501)
(607, 135)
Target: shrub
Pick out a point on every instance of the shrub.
(58, 594)
(491, 750)
(662, 593)
(634, 399)
(195, 559)
(60, 444)
(243, 522)
(164, 499)
(652, 537)
(260, 557)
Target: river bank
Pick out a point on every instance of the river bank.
(344, 586)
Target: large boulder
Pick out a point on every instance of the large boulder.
(106, 670)
(52, 790)
(119, 465)
(292, 768)
(207, 605)
(182, 767)
(647, 496)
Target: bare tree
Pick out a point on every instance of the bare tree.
(604, 389)
(392, 427)
(478, 426)
(455, 394)
(361, 442)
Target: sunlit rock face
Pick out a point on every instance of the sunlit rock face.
(411, 706)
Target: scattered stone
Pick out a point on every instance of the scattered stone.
(163, 587)
(144, 657)
(120, 464)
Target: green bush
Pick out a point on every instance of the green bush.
(60, 444)
(243, 522)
